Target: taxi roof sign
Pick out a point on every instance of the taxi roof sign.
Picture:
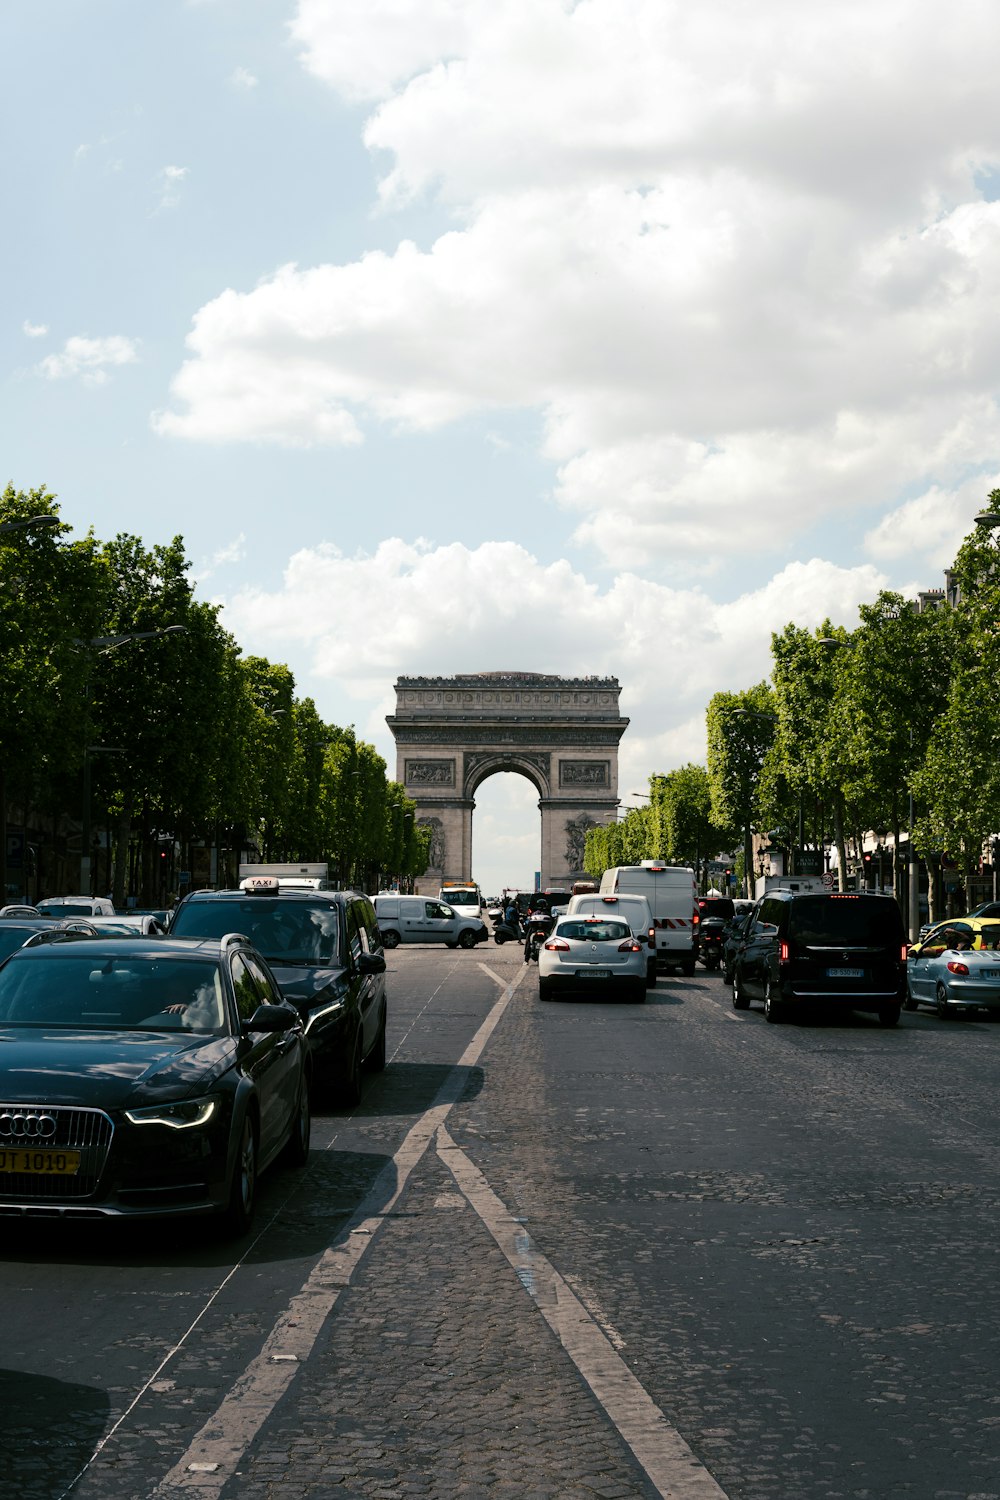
(261, 885)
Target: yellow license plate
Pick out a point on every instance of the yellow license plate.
(39, 1162)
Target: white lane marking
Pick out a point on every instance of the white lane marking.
(659, 1448)
(216, 1451)
(494, 975)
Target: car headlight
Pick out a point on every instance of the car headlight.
(184, 1115)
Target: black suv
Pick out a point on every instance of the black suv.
(324, 949)
(824, 948)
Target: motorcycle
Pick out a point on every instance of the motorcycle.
(536, 930)
(503, 932)
(710, 940)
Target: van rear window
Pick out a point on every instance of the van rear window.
(832, 921)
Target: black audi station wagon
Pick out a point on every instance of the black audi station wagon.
(324, 949)
(149, 1078)
(823, 948)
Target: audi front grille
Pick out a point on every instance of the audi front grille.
(54, 1128)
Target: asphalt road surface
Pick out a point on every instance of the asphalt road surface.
(575, 1249)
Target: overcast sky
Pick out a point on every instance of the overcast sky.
(463, 335)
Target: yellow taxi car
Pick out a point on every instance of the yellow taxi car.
(956, 967)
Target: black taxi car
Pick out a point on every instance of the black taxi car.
(324, 949)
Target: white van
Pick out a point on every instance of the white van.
(673, 901)
(635, 910)
(421, 919)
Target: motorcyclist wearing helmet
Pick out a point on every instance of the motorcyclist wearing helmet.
(538, 917)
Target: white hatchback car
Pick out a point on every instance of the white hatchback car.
(588, 953)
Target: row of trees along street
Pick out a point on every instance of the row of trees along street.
(138, 744)
(857, 734)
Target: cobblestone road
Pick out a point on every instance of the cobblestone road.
(783, 1237)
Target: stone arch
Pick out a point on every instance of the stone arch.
(561, 733)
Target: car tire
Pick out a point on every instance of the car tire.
(638, 995)
(651, 978)
(544, 989)
(467, 939)
(911, 1002)
(348, 1094)
(774, 1011)
(237, 1216)
(687, 967)
(889, 1015)
(297, 1147)
(741, 1001)
(945, 1011)
(390, 939)
(375, 1061)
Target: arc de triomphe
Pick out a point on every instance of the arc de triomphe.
(562, 733)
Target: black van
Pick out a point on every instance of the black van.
(827, 948)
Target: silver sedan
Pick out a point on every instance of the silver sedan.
(592, 953)
(956, 967)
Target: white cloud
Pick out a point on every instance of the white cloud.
(34, 330)
(223, 557)
(492, 608)
(242, 78)
(731, 299)
(168, 187)
(88, 358)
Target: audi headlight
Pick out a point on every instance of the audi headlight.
(185, 1115)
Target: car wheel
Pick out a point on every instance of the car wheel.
(888, 1015)
(237, 1216)
(544, 989)
(390, 939)
(911, 1002)
(349, 1092)
(467, 939)
(651, 977)
(687, 967)
(297, 1149)
(944, 1010)
(741, 1001)
(727, 976)
(638, 995)
(774, 1011)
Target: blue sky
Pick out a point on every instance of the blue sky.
(509, 334)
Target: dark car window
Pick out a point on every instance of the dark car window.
(851, 921)
(769, 915)
(269, 990)
(716, 906)
(368, 924)
(248, 996)
(436, 909)
(594, 932)
(354, 942)
(284, 931)
(115, 994)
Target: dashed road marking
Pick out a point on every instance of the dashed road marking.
(659, 1448)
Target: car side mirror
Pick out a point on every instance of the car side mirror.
(271, 1018)
(371, 963)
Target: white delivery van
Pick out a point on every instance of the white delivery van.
(636, 912)
(421, 919)
(673, 901)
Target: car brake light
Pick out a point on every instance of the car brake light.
(957, 968)
(696, 919)
(652, 937)
(630, 946)
(610, 900)
(783, 953)
(904, 952)
(557, 945)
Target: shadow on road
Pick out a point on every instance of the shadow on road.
(50, 1429)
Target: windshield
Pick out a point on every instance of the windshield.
(851, 921)
(458, 895)
(13, 937)
(285, 932)
(62, 909)
(111, 994)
